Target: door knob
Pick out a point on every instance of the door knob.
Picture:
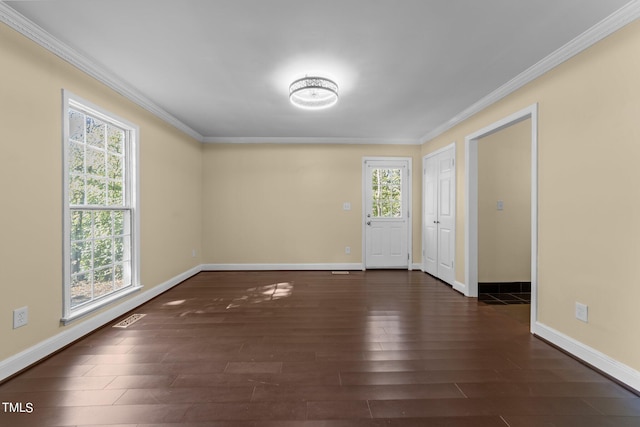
(368, 222)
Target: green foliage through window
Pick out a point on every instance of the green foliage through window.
(100, 220)
(386, 185)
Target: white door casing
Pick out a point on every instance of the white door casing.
(430, 215)
(470, 287)
(386, 212)
(439, 215)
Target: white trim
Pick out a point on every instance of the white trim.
(131, 191)
(471, 202)
(37, 34)
(310, 140)
(283, 267)
(460, 287)
(623, 16)
(455, 199)
(440, 150)
(409, 162)
(593, 357)
(95, 306)
(33, 354)
(471, 219)
(607, 26)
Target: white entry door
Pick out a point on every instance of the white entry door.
(386, 209)
(439, 215)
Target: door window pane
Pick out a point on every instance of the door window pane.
(386, 186)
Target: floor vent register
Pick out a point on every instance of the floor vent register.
(129, 321)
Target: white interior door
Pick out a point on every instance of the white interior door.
(386, 213)
(439, 215)
(430, 224)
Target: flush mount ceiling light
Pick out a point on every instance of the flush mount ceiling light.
(313, 93)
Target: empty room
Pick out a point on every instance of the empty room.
(319, 214)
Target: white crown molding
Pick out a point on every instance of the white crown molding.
(623, 16)
(614, 22)
(34, 32)
(303, 140)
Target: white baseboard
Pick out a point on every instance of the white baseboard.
(28, 357)
(460, 287)
(24, 359)
(621, 372)
(273, 267)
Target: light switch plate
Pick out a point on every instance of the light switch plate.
(582, 312)
(500, 205)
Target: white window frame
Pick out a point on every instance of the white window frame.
(131, 189)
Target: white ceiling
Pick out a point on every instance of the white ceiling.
(404, 67)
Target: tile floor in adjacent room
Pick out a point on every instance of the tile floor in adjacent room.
(506, 298)
(312, 349)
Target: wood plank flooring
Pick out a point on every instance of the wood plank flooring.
(312, 349)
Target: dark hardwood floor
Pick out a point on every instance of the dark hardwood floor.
(312, 349)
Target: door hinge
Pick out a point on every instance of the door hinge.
(408, 258)
(453, 162)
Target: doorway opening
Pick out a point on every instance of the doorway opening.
(504, 217)
(470, 288)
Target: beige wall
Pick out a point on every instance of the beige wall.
(31, 80)
(588, 150)
(282, 203)
(504, 236)
(589, 208)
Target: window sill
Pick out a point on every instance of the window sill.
(97, 305)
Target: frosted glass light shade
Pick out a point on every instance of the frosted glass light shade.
(313, 93)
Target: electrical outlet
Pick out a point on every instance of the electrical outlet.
(582, 312)
(347, 250)
(20, 317)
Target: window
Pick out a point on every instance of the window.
(101, 261)
(387, 193)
